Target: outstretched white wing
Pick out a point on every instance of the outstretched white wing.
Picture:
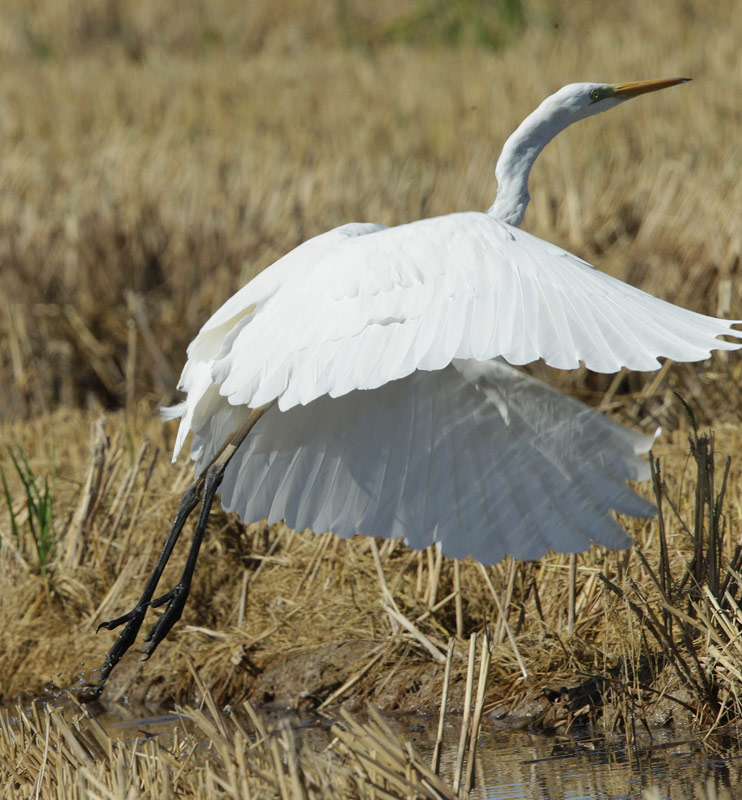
(363, 305)
(218, 333)
(477, 457)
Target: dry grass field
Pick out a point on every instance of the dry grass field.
(153, 159)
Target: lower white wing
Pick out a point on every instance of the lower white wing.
(478, 458)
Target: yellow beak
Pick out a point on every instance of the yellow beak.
(627, 90)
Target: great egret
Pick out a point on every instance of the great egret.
(362, 383)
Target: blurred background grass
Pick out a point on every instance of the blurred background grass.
(153, 158)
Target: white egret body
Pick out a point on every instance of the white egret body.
(369, 341)
(379, 360)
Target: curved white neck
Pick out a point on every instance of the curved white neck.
(519, 153)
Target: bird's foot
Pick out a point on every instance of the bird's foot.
(176, 600)
(136, 615)
(133, 621)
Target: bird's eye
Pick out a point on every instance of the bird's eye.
(595, 95)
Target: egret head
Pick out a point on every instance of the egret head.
(579, 100)
(570, 104)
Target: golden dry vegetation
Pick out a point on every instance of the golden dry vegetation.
(153, 159)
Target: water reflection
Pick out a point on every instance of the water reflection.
(516, 765)
(669, 766)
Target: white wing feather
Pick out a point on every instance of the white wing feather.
(363, 305)
(477, 457)
(445, 444)
(221, 330)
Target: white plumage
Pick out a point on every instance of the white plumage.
(381, 353)
(476, 457)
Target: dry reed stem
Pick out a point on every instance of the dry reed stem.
(436, 758)
(464, 734)
(458, 600)
(572, 596)
(395, 614)
(502, 620)
(484, 672)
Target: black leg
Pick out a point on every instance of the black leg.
(177, 596)
(208, 483)
(135, 617)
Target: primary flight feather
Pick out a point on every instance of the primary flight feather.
(363, 383)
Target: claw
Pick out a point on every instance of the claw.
(110, 624)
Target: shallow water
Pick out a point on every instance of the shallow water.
(516, 765)
(667, 766)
